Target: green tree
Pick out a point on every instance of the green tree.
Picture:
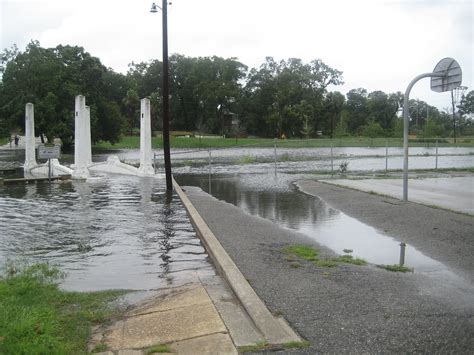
(466, 107)
(50, 78)
(333, 106)
(382, 109)
(372, 130)
(432, 128)
(356, 109)
(132, 107)
(284, 97)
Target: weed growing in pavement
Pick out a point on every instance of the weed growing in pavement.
(311, 254)
(397, 268)
(252, 348)
(302, 251)
(349, 259)
(161, 348)
(296, 344)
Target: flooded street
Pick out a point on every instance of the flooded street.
(289, 160)
(125, 232)
(280, 201)
(109, 232)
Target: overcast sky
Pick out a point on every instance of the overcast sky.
(378, 44)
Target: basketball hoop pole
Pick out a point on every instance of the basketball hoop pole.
(406, 123)
(446, 76)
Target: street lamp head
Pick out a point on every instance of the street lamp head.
(154, 8)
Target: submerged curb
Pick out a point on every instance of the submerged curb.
(275, 331)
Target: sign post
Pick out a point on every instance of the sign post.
(49, 152)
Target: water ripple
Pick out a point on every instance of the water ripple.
(111, 232)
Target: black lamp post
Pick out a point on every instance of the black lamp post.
(166, 111)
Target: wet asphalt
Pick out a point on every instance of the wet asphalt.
(358, 309)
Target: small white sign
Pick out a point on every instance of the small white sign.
(49, 152)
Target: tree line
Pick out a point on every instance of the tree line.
(279, 98)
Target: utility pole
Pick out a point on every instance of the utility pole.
(166, 111)
(166, 100)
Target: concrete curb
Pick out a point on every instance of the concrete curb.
(274, 330)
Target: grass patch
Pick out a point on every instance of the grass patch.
(39, 318)
(349, 259)
(251, 348)
(397, 268)
(161, 348)
(325, 263)
(311, 254)
(296, 344)
(303, 252)
(133, 142)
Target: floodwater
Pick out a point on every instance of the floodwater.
(111, 232)
(262, 160)
(125, 232)
(280, 201)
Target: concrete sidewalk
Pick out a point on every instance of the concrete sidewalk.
(454, 193)
(180, 320)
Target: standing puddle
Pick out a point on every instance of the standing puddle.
(276, 199)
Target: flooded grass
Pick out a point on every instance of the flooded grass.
(39, 318)
(246, 159)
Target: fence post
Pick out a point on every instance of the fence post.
(275, 155)
(210, 171)
(332, 161)
(386, 156)
(436, 165)
(49, 170)
(154, 162)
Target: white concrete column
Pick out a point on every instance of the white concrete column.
(80, 151)
(87, 136)
(30, 148)
(146, 167)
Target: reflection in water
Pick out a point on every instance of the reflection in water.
(109, 232)
(279, 201)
